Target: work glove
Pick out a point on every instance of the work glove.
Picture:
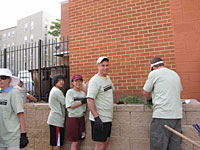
(84, 100)
(23, 140)
(120, 102)
(149, 102)
(98, 124)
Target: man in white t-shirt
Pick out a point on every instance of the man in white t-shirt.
(100, 96)
(166, 88)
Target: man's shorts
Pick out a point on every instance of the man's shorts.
(75, 128)
(99, 136)
(56, 135)
(161, 138)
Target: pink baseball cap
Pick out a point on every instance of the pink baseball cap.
(77, 77)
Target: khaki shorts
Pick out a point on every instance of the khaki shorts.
(163, 139)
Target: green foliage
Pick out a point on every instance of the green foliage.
(55, 28)
(134, 100)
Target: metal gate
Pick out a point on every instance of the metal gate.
(36, 64)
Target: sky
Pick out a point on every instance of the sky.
(13, 10)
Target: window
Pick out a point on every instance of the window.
(31, 38)
(13, 44)
(13, 34)
(8, 35)
(4, 36)
(25, 40)
(46, 38)
(25, 27)
(46, 25)
(31, 53)
(32, 25)
(31, 64)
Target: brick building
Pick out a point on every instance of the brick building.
(130, 33)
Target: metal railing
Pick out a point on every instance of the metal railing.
(36, 64)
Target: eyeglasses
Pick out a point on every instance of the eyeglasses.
(4, 77)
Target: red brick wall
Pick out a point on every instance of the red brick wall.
(186, 22)
(129, 32)
(64, 20)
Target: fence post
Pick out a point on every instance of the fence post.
(5, 58)
(39, 66)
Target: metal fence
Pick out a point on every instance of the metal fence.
(36, 64)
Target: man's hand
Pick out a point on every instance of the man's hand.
(149, 101)
(23, 140)
(98, 124)
(84, 100)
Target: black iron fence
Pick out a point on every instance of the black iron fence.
(36, 64)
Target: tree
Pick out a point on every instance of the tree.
(55, 28)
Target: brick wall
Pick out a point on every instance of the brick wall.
(129, 32)
(186, 23)
(64, 20)
(130, 130)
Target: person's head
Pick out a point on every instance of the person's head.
(103, 66)
(156, 62)
(77, 81)
(6, 79)
(20, 84)
(58, 81)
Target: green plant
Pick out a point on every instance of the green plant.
(134, 100)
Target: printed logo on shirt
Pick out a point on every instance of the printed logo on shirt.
(3, 101)
(108, 87)
(79, 98)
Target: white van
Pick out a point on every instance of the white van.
(26, 77)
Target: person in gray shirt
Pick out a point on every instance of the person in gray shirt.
(165, 86)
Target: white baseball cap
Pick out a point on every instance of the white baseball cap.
(100, 59)
(6, 72)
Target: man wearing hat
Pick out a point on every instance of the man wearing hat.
(165, 86)
(100, 102)
(12, 121)
(57, 113)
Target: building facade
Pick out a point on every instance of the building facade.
(21, 41)
(131, 33)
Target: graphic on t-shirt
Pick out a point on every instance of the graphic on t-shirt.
(107, 87)
(3, 101)
(79, 98)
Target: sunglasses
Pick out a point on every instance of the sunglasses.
(4, 77)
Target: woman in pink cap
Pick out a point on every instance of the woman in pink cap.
(76, 106)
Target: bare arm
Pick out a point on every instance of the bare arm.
(115, 97)
(92, 107)
(76, 104)
(147, 95)
(30, 97)
(22, 122)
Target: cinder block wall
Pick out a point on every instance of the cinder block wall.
(130, 129)
(129, 32)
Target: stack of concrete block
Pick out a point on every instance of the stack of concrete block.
(130, 128)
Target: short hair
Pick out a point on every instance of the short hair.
(21, 82)
(56, 78)
(155, 60)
